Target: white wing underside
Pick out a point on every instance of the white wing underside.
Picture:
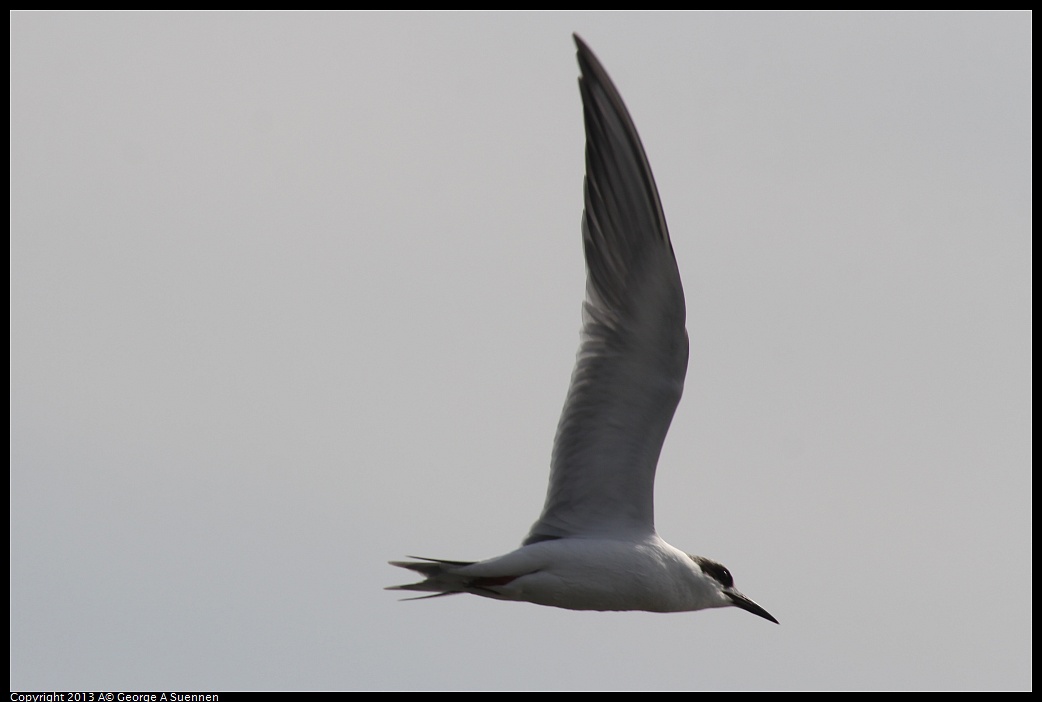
(629, 373)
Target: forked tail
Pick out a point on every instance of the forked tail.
(445, 578)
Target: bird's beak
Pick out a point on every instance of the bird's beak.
(740, 600)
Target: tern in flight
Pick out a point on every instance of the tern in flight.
(594, 546)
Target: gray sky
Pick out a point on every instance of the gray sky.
(296, 294)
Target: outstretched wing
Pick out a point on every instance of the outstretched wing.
(629, 373)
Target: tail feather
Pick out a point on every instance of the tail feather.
(442, 578)
(421, 597)
(439, 576)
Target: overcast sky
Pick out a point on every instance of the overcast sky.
(296, 294)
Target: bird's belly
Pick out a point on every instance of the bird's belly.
(640, 586)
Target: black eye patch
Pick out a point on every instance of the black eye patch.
(718, 572)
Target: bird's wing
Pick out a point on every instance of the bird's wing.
(629, 372)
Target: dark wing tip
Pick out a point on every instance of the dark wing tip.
(616, 164)
(589, 64)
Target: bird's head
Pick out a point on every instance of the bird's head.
(729, 596)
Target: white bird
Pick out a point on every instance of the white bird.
(595, 546)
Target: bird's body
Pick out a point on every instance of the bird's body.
(645, 574)
(595, 546)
